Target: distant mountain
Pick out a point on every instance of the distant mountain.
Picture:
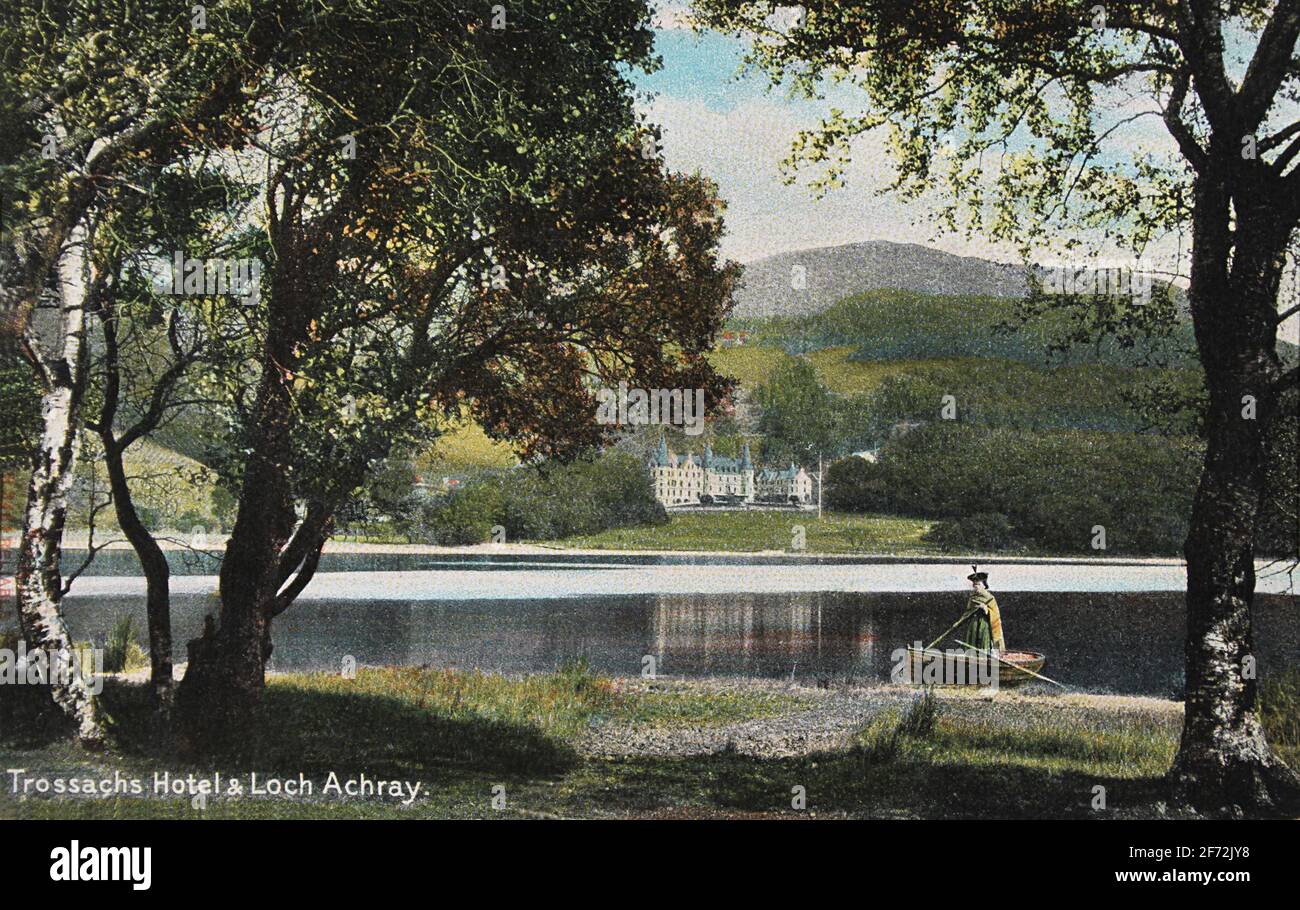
(770, 286)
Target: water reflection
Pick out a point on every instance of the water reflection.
(1131, 643)
(758, 635)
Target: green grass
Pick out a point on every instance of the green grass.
(462, 734)
(747, 532)
(467, 719)
(1280, 713)
(752, 365)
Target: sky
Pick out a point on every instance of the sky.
(734, 128)
(731, 126)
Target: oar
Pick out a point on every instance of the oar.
(1013, 666)
(965, 616)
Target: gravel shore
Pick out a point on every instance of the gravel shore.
(826, 719)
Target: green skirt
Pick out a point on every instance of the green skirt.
(978, 632)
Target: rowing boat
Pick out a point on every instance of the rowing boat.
(972, 668)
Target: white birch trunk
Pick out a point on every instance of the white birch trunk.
(39, 579)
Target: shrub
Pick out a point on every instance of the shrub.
(1052, 486)
(461, 518)
(191, 519)
(121, 651)
(856, 485)
(545, 502)
(921, 716)
(985, 531)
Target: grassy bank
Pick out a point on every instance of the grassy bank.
(467, 736)
(747, 532)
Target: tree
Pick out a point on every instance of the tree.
(481, 248)
(95, 95)
(139, 372)
(1010, 107)
(801, 418)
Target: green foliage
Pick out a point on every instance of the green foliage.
(802, 419)
(1279, 521)
(1279, 712)
(892, 324)
(1006, 393)
(19, 413)
(1053, 487)
(170, 491)
(854, 484)
(895, 355)
(462, 518)
(981, 532)
(921, 716)
(1008, 114)
(544, 502)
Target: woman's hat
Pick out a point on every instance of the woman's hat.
(977, 575)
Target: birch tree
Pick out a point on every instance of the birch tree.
(94, 95)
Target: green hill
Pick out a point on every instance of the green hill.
(990, 391)
(906, 325)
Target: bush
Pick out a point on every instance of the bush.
(984, 531)
(462, 518)
(121, 651)
(1052, 486)
(921, 716)
(856, 485)
(545, 502)
(191, 519)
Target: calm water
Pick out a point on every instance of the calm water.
(763, 616)
(1117, 642)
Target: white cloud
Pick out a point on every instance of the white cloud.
(742, 148)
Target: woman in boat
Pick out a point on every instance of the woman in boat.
(984, 629)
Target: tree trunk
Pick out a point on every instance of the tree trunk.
(153, 561)
(1224, 760)
(156, 572)
(223, 684)
(39, 580)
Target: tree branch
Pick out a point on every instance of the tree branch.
(1270, 64)
(1187, 143)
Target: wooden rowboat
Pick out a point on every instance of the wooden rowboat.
(971, 668)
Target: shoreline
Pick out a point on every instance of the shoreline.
(77, 541)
